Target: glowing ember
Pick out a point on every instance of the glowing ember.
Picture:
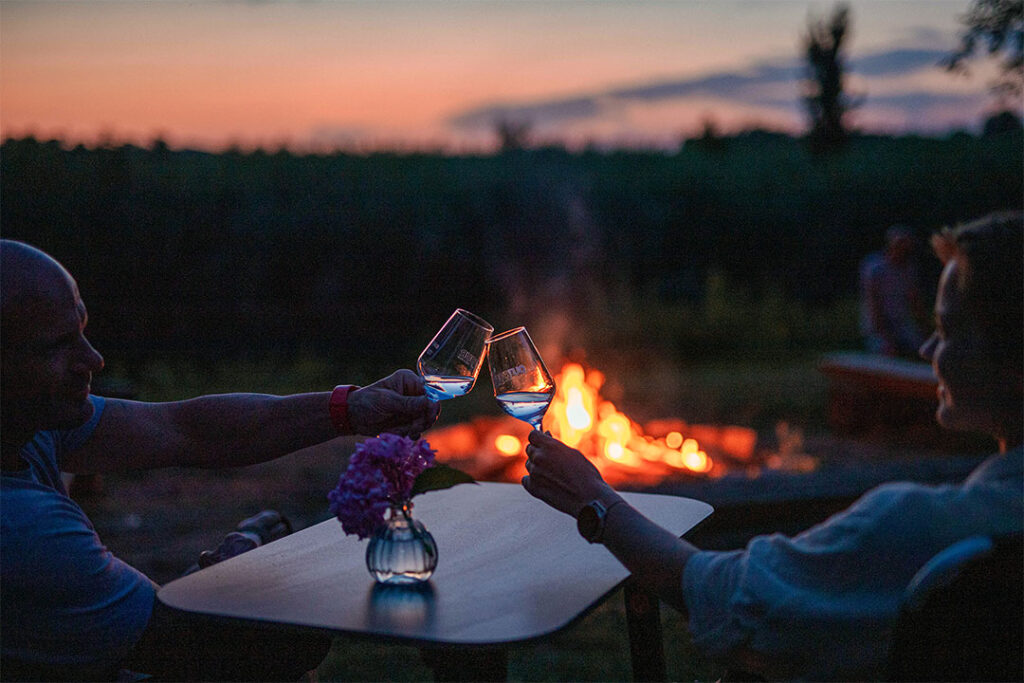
(506, 444)
(694, 458)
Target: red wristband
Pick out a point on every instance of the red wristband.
(339, 408)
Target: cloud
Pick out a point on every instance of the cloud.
(772, 84)
(897, 62)
(922, 101)
(727, 84)
(550, 110)
(722, 84)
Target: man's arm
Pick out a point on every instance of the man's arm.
(242, 429)
(563, 478)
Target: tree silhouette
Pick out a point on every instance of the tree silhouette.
(999, 25)
(1004, 122)
(513, 135)
(827, 103)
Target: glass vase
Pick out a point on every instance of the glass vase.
(402, 551)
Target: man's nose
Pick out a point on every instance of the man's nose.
(90, 359)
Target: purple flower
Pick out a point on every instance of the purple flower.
(380, 474)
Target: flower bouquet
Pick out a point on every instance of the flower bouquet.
(373, 499)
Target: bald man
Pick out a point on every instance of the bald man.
(69, 608)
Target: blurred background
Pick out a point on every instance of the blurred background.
(312, 187)
(280, 196)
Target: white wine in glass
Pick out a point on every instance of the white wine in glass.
(522, 384)
(452, 360)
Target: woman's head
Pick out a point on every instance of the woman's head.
(977, 350)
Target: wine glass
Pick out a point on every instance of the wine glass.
(522, 385)
(452, 360)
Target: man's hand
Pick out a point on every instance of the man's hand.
(397, 404)
(562, 476)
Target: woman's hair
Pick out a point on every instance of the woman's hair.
(990, 257)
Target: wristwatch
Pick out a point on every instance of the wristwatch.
(591, 519)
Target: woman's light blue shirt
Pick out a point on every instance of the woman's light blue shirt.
(821, 605)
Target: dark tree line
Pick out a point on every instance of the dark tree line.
(233, 254)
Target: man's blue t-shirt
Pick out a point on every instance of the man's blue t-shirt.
(65, 600)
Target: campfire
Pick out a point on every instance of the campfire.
(492, 448)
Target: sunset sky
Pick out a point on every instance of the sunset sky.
(440, 73)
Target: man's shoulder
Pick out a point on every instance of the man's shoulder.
(872, 263)
(45, 535)
(44, 450)
(30, 504)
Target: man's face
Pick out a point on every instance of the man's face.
(900, 249)
(47, 363)
(972, 394)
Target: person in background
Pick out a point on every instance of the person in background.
(70, 609)
(821, 605)
(890, 300)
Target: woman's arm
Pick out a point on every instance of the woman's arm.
(563, 478)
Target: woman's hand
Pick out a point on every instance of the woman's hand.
(561, 476)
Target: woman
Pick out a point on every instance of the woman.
(821, 604)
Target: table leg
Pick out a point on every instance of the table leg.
(646, 646)
(467, 664)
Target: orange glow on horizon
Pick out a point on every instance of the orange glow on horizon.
(328, 74)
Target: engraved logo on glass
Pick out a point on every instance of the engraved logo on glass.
(511, 372)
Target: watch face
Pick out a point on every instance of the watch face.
(588, 523)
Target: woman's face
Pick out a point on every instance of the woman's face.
(972, 386)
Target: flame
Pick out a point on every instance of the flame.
(575, 412)
(618, 447)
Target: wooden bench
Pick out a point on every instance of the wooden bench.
(870, 393)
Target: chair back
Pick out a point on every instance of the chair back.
(963, 615)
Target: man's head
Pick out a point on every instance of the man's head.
(45, 360)
(899, 243)
(977, 350)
